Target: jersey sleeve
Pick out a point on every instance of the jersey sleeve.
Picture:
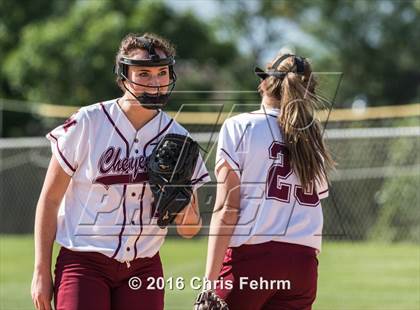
(69, 142)
(322, 189)
(200, 175)
(228, 147)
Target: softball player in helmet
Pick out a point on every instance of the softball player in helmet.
(96, 201)
(271, 168)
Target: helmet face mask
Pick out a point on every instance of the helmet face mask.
(158, 99)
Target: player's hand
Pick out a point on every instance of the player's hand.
(42, 290)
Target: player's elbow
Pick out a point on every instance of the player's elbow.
(228, 215)
(188, 231)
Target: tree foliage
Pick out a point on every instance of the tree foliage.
(374, 43)
(62, 52)
(68, 58)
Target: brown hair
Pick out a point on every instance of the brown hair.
(130, 43)
(296, 98)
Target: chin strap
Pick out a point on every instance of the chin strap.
(152, 101)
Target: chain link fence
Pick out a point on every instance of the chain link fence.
(374, 192)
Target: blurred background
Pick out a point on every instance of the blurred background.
(56, 56)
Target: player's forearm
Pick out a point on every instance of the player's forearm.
(189, 222)
(53, 190)
(190, 226)
(192, 214)
(45, 230)
(224, 219)
(189, 231)
(222, 227)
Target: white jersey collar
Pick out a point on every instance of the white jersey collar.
(124, 126)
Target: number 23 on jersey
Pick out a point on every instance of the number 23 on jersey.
(277, 187)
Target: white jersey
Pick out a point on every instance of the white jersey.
(107, 207)
(273, 205)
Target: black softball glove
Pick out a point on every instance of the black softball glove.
(170, 169)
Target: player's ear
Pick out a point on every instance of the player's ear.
(262, 87)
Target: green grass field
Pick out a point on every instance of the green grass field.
(352, 276)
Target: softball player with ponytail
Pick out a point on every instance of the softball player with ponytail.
(272, 170)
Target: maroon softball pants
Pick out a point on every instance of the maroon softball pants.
(259, 274)
(90, 280)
